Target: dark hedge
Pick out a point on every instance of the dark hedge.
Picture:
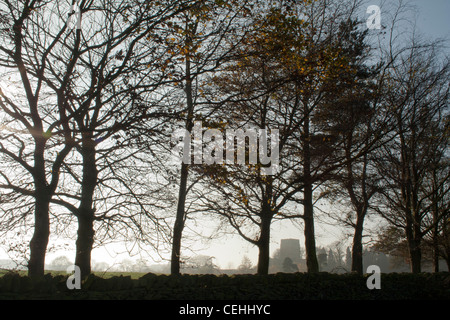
(299, 286)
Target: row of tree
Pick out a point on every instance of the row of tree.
(88, 112)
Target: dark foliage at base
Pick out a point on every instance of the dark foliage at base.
(299, 286)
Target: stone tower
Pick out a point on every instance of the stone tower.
(290, 248)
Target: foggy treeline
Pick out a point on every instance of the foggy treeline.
(93, 92)
(335, 258)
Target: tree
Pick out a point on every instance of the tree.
(281, 78)
(437, 184)
(117, 52)
(289, 266)
(391, 241)
(246, 265)
(201, 44)
(356, 116)
(418, 96)
(60, 263)
(42, 111)
(248, 192)
(201, 265)
(100, 266)
(110, 48)
(329, 68)
(333, 66)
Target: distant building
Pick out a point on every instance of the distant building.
(290, 248)
(289, 253)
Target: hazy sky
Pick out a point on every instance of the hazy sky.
(432, 22)
(433, 17)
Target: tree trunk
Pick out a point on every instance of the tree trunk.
(308, 207)
(357, 249)
(181, 214)
(415, 253)
(416, 258)
(310, 239)
(446, 236)
(436, 248)
(416, 250)
(264, 244)
(436, 225)
(39, 241)
(84, 243)
(86, 213)
(179, 222)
